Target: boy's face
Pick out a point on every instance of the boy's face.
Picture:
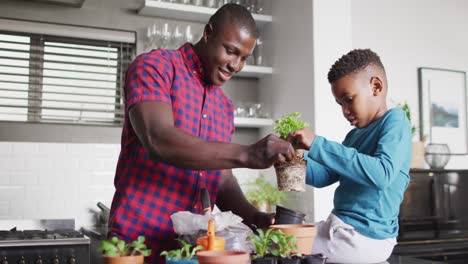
(361, 98)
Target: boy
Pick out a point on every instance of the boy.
(371, 165)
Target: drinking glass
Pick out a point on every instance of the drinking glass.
(188, 34)
(178, 36)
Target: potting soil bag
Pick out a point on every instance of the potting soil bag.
(229, 226)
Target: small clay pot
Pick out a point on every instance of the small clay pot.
(222, 257)
(287, 216)
(139, 259)
(291, 175)
(305, 235)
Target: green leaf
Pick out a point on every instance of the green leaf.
(288, 123)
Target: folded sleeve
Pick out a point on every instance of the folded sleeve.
(148, 79)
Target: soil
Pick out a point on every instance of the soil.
(291, 175)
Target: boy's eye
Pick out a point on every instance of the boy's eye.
(348, 99)
(229, 52)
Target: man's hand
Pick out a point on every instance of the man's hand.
(302, 138)
(263, 220)
(268, 151)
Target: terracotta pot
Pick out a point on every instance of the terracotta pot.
(222, 257)
(291, 175)
(123, 260)
(305, 235)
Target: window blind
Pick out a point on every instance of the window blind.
(55, 79)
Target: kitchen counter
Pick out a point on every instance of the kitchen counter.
(394, 259)
(96, 235)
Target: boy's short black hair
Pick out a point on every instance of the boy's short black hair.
(352, 62)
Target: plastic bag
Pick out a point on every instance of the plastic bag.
(228, 226)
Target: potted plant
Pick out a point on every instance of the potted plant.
(183, 255)
(285, 248)
(263, 195)
(291, 174)
(263, 244)
(116, 251)
(304, 233)
(417, 157)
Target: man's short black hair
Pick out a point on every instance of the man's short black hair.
(234, 14)
(356, 60)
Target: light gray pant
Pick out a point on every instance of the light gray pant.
(341, 243)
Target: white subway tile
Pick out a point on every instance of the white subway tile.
(21, 208)
(80, 150)
(65, 192)
(39, 192)
(107, 150)
(52, 177)
(4, 208)
(51, 209)
(11, 192)
(38, 163)
(101, 193)
(102, 178)
(106, 164)
(24, 178)
(25, 148)
(52, 148)
(5, 177)
(5, 148)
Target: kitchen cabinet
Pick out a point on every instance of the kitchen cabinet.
(202, 14)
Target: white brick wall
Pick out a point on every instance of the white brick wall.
(56, 180)
(64, 180)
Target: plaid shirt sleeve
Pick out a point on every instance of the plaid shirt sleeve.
(148, 79)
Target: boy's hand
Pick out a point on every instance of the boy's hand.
(302, 138)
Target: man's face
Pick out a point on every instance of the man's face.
(358, 98)
(226, 52)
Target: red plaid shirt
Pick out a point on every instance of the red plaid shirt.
(148, 191)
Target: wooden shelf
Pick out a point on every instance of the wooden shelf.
(187, 12)
(252, 122)
(255, 71)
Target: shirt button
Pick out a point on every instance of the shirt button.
(204, 115)
(201, 174)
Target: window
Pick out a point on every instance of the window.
(57, 79)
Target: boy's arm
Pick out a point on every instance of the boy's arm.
(392, 152)
(318, 175)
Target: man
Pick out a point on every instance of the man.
(177, 128)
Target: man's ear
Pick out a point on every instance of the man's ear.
(208, 31)
(377, 85)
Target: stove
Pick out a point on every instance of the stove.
(38, 246)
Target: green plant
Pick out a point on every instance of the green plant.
(406, 108)
(263, 242)
(185, 252)
(118, 248)
(289, 123)
(285, 245)
(262, 191)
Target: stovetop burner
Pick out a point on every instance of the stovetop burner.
(14, 234)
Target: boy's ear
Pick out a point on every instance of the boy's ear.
(377, 85)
